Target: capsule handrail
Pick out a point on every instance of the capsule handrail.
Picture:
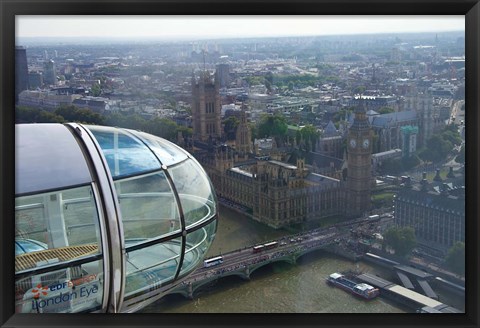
(27, 261)
(29, 206)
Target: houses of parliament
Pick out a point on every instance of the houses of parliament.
(265, 184)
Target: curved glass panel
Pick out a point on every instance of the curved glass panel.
(195, 192)
(58, 224)
(45, 157)
(168, 153)
(198, 243)
(151, 267)
(125, 155)
(55, 227)
(149, 208)
(51, 228)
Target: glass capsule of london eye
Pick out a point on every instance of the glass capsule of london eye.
(106, 219)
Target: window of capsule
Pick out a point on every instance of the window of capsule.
(105, 211)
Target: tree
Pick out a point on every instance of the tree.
(273, 126)
(230, 127)
(359, 90)
(160, 127)
(96, 90)
(386, 110)
(401, 239)
(440, 144)
(452, 137)
(309, 135)
(35, 115)
(340, 115)
(81, 115)
(437, 149)
(455, 259)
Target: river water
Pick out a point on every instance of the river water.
(275, 288)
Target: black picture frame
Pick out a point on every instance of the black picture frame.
(10, 8)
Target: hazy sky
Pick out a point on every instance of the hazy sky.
(168, 27)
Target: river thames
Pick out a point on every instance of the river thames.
(278, 287)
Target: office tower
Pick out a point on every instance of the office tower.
(223, 73)
(50, 75)
(21, 71)
(35, 80)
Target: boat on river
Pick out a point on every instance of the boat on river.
(363, 290)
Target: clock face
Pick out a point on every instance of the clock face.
(366, 142)
(353, 143)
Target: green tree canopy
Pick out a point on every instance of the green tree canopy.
(81, 115)
(340, 115)
(461, 156)
(161, 127)
(230, 127)
(359, 90)
(309, 135)
(273, 126)
(452, 137)
(441, 144)
(34, 115)
(401, 239)
(455, 259)
(436, 150)
(96, 90)
(386, 110)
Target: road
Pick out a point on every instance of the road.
(246, 256)
(457, 115)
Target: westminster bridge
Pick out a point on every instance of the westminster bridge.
(243, 262)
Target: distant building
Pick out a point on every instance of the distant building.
(96, 104)
(259, 102)
(379, 158)
(50, 73)
(436, 211)
(374, 102)
(35, 80)
(206, 107)
(359, 171)
(263, 144)
(273, 192)
(223, 74)
(263, 182)
(331, 142)
(21, 71)
(409, 140)
(49, 100)
(428, 115)
(243, 136)
(387, 128)
(330, 146)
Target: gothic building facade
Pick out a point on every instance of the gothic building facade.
(273, 192)
(435, 210)
(263, 184)
(359, 159)
(206, 107)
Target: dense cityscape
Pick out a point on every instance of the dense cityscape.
(349, 145)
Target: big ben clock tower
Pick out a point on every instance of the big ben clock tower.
(359, 158)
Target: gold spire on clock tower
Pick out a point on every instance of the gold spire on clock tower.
(359, 159)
